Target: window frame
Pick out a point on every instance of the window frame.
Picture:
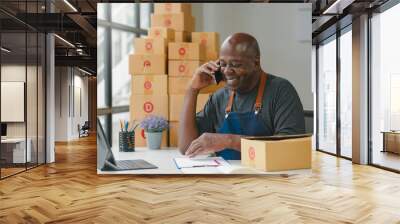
(334, 37)
(109, 26)
(381, 9)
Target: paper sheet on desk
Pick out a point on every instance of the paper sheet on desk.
(185, 162)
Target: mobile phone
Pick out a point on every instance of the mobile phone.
(218, 76)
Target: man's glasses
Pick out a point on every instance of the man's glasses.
(233, 65)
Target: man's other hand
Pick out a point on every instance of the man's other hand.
(207, 143)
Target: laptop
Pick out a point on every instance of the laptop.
(3, 131)
(106, 160)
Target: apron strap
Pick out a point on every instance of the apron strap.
(260, 94)
(230, 102)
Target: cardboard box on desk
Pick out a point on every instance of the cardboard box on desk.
(140, 64)
(140, 138)
(162, 8)
(277, 153)
(176, 104)
(186, 51)
(178, 85)
(144, 105)
(183, 68)
(162, 32)
(175, 21)
(182, 36)
(150, 84)
(149, 45)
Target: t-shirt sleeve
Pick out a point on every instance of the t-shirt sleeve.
(288, 114)
(205, 118)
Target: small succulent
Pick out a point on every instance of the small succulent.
(154, 124)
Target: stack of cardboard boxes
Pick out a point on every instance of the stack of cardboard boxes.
(148, 67)
(153, 92)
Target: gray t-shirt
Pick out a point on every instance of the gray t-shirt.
(281, 112)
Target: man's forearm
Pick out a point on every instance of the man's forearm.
(231, 141)
(222, 141)
(188, 127)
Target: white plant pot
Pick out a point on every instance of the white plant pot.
(154, 140)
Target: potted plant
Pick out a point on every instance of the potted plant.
(154, 126)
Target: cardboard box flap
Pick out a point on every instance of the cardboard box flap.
(277, 137)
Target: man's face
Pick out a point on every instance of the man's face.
(237, 68)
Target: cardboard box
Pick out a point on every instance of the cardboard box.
(154, 64)
(150, 45)
(178, 85)
(162, 8)
(276, 153)
(162, 32)
(210, 40)
(183, 68)
(186, 51)
(175, 21)
(140, 138)
(173, 133)
(176, 104)
(182, 36)
(212, 55)
(144, 105)
(150, 84)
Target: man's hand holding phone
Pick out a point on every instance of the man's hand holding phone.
(205, 75)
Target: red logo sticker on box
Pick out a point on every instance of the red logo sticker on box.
(252, 153)
(147, 85)
(182, 68)
(149, 46)
(167, 22)
(148, 107)
(146, 63)
(142, 134)
(182, 51)
(203, 42)
(157, 32)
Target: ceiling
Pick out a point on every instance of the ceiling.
(76, 23)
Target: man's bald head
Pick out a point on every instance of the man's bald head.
(242, 44)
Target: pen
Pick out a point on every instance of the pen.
(120, 123)
(205, 166)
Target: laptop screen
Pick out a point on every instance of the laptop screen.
(104, 153)
(3, 129)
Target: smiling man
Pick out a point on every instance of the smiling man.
(252, 103)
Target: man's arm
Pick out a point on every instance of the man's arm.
(288, 111)
(188, 128)
(213, 142)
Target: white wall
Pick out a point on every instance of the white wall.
(67, 115)
(282, 30)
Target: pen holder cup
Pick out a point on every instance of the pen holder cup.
(126, 141)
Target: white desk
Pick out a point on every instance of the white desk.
(163, 159)
(18, 150)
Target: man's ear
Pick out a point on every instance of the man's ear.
(257, 62)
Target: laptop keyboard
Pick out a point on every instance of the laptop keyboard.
(134, 164)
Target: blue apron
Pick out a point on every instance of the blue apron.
(248, 123)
